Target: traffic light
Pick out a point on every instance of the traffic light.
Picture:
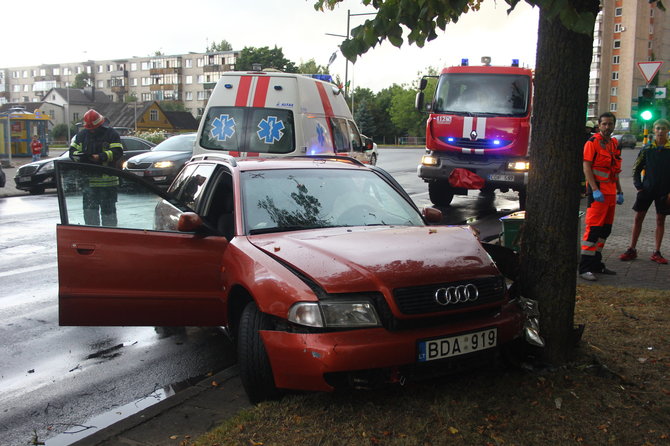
(646, 108)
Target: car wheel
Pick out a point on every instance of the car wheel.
(373, 159)
(255, 369)
(440, 193)
(36, 190)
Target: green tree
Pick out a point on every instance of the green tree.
(82, 80)
(172, 105)
(404, 115)
(386, 130)
(224, 45)
(130, 97)
(311, 67)
(364, 119)
(266, 57)
(565, 33)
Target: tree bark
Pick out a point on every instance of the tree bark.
(549, 249)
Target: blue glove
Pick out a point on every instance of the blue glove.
(619, 198)
(598, 196)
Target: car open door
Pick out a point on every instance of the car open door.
(137, 268)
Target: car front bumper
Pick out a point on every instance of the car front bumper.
(29, 182)
(303, 361)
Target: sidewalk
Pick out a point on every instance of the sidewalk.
(196, 410)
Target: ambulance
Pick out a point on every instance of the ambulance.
(272, 113)
(478, 130)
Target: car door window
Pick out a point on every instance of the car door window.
(340, 135)
(355, 137)
(91, 195)
(131, 144)
(192, 188)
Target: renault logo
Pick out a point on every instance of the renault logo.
(456, 294)
(473, 135)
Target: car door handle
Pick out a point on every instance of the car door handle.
(83, 248)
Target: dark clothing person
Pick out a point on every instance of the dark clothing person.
(98, 144)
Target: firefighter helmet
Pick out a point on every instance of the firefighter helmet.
(93, 120)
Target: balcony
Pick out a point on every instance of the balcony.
(160, 87)
(119, 73)
(47, 78)
(119, 89)
(209, 85)
(218, 68)
(157, 71)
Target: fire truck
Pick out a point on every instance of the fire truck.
(478, 124)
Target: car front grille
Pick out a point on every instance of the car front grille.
(421, 299)
(27, 170)
(485, 143)
(132, 165)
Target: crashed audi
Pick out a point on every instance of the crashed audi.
(322, 270)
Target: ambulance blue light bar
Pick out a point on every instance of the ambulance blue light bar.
(515, 62)
(464, 62)
(321, 77)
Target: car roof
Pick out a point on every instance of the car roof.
(284, 162)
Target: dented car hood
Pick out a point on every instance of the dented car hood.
(344, 260)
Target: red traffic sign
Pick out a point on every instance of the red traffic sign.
(649, 69)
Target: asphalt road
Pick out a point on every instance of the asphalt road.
(55, 380)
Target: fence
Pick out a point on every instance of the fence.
(411, 141)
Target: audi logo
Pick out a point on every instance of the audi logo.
(456, 294)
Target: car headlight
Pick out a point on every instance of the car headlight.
(163, 164)
(334, 314)
(429, 160)
(518, 165)
(47, 167)
(124, 166)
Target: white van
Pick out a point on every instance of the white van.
(261, 113)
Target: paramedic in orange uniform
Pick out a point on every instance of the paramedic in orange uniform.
(602, 164)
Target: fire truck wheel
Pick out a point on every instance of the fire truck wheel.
(440, 193)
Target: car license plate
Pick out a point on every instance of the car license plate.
(139, 173)
(501, 177)
(24, 179)
(441, 348)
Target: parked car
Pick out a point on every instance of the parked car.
(626, 141)
(370, 151)
(163, 163)
(322, 269)
(37, 176)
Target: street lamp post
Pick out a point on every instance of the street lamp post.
(346, 37)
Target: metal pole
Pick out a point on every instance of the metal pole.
(67, 111)
(346, 61)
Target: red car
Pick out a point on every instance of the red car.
(322, 269)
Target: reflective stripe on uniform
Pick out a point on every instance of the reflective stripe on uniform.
(103, 181)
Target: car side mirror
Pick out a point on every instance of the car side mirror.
(189, 222)
(368, 144)
(432, 215)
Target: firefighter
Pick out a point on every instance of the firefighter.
(98, 143)
(602, 164)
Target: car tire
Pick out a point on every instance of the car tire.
(373, 159)
(440, 193)
(255, 368)
(36, 191)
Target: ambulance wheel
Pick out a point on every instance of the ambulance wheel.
(522, 199)
(255, 369)
(440, 193)
(373, 159)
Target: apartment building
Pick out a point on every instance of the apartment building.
(189, 78)
(626, 32)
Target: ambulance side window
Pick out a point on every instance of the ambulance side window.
(355, 137)
(340, 135)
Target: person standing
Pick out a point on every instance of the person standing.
(36, 148)
(98, 143)
(651, 177)
(601, 165)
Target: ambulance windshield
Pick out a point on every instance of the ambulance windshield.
(482, 94)
(248, 129)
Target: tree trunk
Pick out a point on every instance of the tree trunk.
(549, 250)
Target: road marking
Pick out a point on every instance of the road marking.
(29, 269)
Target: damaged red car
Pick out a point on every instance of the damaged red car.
(321, 268)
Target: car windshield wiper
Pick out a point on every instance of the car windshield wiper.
(284, 229)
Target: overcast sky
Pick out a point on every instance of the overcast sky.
(47, 31)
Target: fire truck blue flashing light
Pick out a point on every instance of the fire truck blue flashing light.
(464, 62)
(496, 142)
(451, 139)
(515, 62)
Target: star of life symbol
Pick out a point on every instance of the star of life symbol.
(270, 130)
(223, 127)
(320, 134)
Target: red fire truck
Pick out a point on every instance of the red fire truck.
(479, 121)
